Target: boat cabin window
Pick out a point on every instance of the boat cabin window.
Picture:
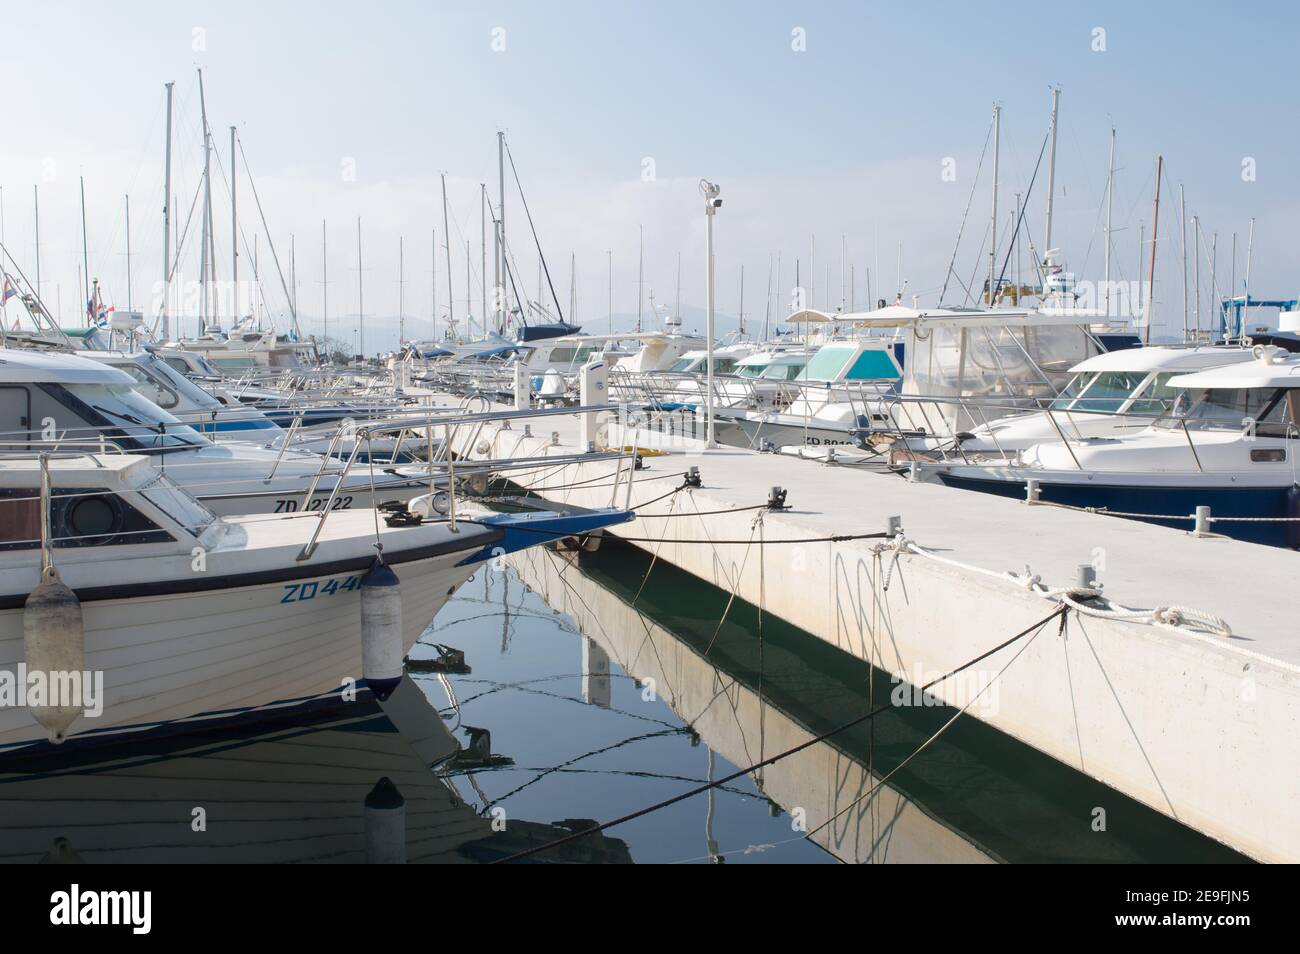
(1073, 388)
(783, 372)
(1234, 408)
(870, 365)
(187, 389)
(178, 504)
(682, 364)
(1109, 391)
(581, 353)
(235, 364)
(178, 364)
(1157, 397)
(121, 415)
(832, 362)
(150, 387)
(751, 370)
(79, 517)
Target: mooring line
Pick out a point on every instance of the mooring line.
(943, 728)
(1060, 610)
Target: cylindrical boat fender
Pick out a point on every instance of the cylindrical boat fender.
(381, 630)
(54, 643)
(385, 825)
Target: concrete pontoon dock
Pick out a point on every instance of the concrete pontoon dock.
(1200, 726)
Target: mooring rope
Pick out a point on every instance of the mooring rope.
(773, 759)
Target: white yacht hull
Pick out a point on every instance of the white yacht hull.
(176, 655)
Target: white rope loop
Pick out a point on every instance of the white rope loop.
(1177, 618)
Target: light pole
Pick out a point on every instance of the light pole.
(712, 203)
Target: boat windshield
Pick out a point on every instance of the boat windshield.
(1271, 411)
(751, 370)
(1073, 388)
(1157, 397)
(782, 372)
(124, 416)
(1106, 393)
(682, 364)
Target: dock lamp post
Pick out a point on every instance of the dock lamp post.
(712, 203)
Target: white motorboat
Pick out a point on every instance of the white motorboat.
(47, 397)
(1109, 395)
(1229, 445)
(185, 612)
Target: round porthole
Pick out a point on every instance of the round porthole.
(93, 520)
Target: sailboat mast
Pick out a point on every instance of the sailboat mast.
(1155, 231)
(451, 308)
(129, 302)
(678, 305)
(993, 222)
(767, 306)
(1051, 172)
(293, 275)
(234, 231)
(1196, 275)
(1182, 224)
(324, 288)
(1250, 250)
(85, 253)
(742, 301)
(501, 232)
(401, 284)
(36, 202)
(1110, 206)
(482, 215)
(361, 321)
(206, 241)
(167, 214)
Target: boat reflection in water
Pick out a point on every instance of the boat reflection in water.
(321, 781)
(973, 795)
(590, 686)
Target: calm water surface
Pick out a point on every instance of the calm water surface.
(593, 689)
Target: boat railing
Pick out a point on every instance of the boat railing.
(59, 447)
(444, 463)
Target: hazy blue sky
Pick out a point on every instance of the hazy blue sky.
(845, 138)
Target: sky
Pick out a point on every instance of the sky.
(846, 138)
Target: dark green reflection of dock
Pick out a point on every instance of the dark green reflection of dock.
(1003, 797)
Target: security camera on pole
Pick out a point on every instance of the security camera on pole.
(712, 203)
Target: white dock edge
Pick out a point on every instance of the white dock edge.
(1202, 728)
